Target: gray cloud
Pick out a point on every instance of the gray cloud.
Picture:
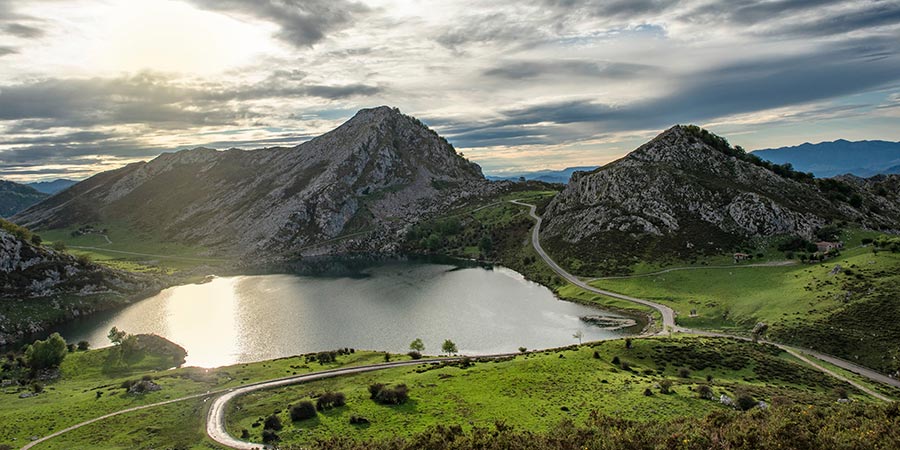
(534, 69)
(7, 51)
(23, 31)
(485, 28)
(610, 8)
(302, 22)
(753, 85)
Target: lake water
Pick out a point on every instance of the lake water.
(381, 307)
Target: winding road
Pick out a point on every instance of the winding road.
(216, 423)
(669, 325)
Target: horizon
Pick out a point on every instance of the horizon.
(89, 85)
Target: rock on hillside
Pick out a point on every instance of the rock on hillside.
(688, 191)
(32, 275)
(373, 175)
(15, 197)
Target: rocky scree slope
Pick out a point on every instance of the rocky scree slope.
(688, 192)
(376, 173)
(32, 274)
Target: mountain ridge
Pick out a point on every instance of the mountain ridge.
(376, 172)
(15, 197)
(831, 158)
(688, 192)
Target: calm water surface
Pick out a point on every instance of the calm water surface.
(384, 307)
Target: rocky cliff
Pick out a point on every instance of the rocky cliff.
(373, 175)
(39, 285)
(688, 192)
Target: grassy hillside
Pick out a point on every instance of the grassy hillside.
(850, 313)
(90, 384)
(537, 391)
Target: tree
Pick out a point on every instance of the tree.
(83, 345)
(417, 345)
(486, 244)
(578, 335)
(115, 336)
(665, 386)
(303, 410)
(47, 353)
(449, 347)
(627, 342)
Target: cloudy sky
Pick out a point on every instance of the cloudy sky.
(89, 85)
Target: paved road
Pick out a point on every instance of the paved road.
(215, 421)
(668, 314)
(669, 324)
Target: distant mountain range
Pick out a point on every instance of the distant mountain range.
(370, 177)
(827, 159)
(15, 197)
(547, 176)
(52, 187)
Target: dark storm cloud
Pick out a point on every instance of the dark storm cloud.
(754, 85)
(302, 22)
(533, 69)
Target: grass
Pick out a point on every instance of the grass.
(171, 256)
(735, 300)
(72, 398)
(534, 392)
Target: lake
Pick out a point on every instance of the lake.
(383, 306)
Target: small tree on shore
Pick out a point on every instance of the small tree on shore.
(578, 335)
(47, 353)
(417, 345)
(449, 347)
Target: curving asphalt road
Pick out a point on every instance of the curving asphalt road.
(215, 421)
(669, 324)
(667, 313)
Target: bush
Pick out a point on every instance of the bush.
(596, 355)
(665, 386)
(523, 349)
(390, 396)
(47, 353)
(83, 345)
(37, 388)
(374, 389)
(245, 434)
(330, 399)
(358, 420)
(704, 391)
(616, 361)
(269, 436)
(414, 354)
(745, 402)
(302, 411)
(648, 392)
(684, 372)
(628, 343)
(273, 423)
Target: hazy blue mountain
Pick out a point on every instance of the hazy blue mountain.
(547, 176)
(52, 187)
(827, 159)
(15, 197)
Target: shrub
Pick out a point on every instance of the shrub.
(269, 436)
(302, 411)
(37, 388)
(596, 355)
(358, 420)
(374, 389)
(330, 399)
(684, 372)
(745, 402)
(704, 391)
(628, 343)
(47, 353)
(392, 396)
(523, 349)
(245, 434)
(272, 423)
(648, 392)
(625, 365)
(665, 386)
(616, 361)
(414, 354)
(83, 345)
